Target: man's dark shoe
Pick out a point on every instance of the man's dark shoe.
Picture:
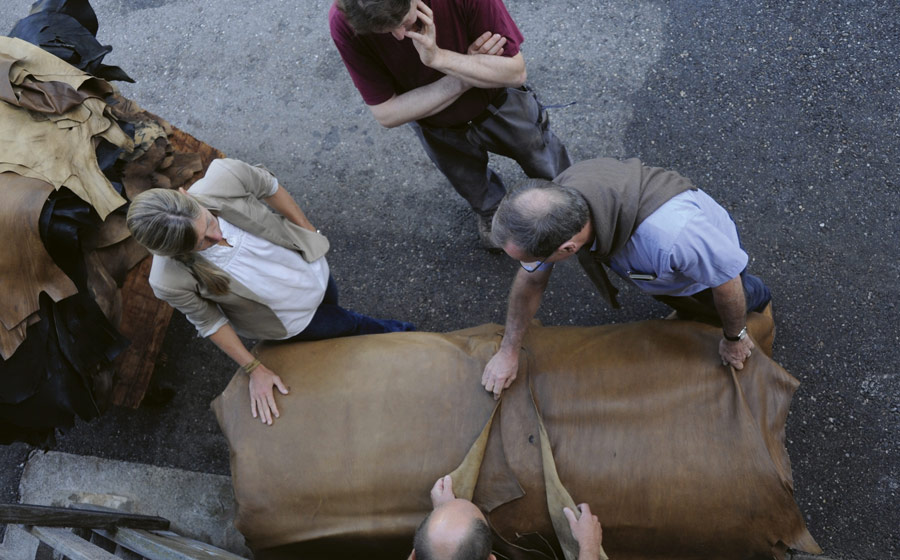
(484, 232)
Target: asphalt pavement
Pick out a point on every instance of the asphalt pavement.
(785, 112)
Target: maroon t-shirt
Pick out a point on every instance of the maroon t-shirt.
(381, 66)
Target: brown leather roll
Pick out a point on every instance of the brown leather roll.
(678, 456)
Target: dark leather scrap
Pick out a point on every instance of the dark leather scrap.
(43, 389)
(156, 162)
(679, 457)
(68, 29)
(80, 10)
(57, 356)
(51, 376)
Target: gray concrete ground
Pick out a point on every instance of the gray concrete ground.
(785, 112)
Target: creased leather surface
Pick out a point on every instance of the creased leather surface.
(686, 458)
(26, 270)
(679, 457)
(43, 97)
(63, 127)
(39, 64)
(61, 152)
(58, 149)
(368, 430)
(50, 377)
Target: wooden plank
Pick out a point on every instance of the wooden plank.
(144, 322)
(166, 545)
(44, 552)
(71, 545)
(126, 554)
(48, 516)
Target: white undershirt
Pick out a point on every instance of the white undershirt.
(291, 287)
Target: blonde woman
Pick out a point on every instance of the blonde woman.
(234, 267)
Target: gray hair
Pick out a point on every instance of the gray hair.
(162, 220)
(374, 16)
(538, 216)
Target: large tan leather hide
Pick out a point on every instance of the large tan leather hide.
(27, 263)
(678, 456)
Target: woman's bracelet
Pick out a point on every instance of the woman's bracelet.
(249, 367)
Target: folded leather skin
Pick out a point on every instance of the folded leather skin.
(28, 270)
(70, 148)
(679, 456)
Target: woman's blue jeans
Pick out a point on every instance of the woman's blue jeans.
(333, 321)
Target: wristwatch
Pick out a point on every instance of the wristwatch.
(740, 336)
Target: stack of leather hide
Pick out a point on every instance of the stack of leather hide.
(678, 456)
(71, 150)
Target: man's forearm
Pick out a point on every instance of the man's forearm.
(524, 300)
(731, 305)
(483, 70)
(419, 103)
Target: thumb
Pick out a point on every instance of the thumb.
(280, 384)
(570, 515)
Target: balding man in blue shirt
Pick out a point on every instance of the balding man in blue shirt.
(651, 226)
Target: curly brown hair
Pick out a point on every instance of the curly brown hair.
(374, 16)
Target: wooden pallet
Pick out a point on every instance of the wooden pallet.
(102, 534)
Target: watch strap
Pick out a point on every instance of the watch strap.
(740, 336)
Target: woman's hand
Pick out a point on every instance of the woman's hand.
(262, 379)
(262, 397)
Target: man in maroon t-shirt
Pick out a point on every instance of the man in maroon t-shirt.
(452, 70)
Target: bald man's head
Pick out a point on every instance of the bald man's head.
(539, 216)
(455, 530)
